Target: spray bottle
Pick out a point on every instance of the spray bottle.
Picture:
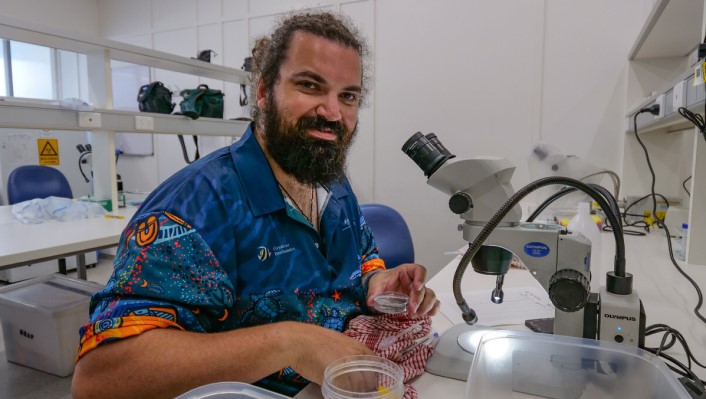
(583, 223)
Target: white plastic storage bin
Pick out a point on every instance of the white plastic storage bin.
(517, 364)
(41, 318)
(230, 390)
(30, 271)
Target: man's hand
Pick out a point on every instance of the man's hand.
(315, 347)
(408, 279)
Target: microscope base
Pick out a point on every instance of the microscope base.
(454, 352)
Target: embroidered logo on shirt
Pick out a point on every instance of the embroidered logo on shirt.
(282, 249)
(346, 224)
(263, 253)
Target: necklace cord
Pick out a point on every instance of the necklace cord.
(311, 204)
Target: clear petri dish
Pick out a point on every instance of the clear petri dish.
(391, 302)
(363, 377)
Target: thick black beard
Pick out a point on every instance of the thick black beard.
(309, 160)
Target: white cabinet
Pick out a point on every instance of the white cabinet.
(103, 121)
(661, 70)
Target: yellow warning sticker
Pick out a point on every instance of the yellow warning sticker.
(48, 151)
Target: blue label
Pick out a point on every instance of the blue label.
(536, 249)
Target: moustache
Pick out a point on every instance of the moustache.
(319, 123)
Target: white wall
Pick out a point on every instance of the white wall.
(493, 78)
(74, 15)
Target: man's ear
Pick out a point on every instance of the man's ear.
(261, 94)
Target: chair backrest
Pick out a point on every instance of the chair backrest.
(33, 181)
(391, 234)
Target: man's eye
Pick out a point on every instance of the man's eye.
(351, 97)
(308, 85)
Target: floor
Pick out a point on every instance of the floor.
(19, 382)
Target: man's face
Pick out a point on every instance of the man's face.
(310, 116)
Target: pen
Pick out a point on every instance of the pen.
(114, 217)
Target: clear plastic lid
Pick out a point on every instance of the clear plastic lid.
(519, 363)
(229, 390)
(50, 293)
(391, 302)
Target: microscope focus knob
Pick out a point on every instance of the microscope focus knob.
(460, 203)
(569, 290)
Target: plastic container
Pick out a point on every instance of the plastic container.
(363, 377)
(680, 250)
(135, 198)
(229, 390)
(583, 223)
(511, 364)
(391, 302)
(41, 318)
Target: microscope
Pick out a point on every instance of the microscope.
(481, 194)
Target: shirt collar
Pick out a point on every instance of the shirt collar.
(255, 174)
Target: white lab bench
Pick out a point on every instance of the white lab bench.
(22, 244)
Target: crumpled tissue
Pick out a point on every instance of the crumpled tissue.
(38, 210)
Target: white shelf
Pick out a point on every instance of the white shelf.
(671, 123)
(27, 115)
(99, 53)
(672, 30)
(661, 58)
(28, 32)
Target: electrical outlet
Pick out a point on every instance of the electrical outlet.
(144, 122)
(679, 96)
(661, 102)
(89, 119)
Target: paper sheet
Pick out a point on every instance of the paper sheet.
(519, 304)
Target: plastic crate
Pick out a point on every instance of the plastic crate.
(41, 318)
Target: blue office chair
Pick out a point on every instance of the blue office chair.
(391, 234)
(33, 181)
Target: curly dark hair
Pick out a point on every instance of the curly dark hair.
(269, 53)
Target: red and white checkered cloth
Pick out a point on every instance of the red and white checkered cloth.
(371, 330)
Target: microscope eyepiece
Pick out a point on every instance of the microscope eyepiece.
(427, 152)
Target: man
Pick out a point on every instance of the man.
(262, 245)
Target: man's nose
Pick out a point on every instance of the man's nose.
(330, 109)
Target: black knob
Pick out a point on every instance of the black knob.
(569, 290)
(460, 203)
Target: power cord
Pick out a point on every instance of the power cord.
(696, 119)
(640, 223)
(683, 184)
(689, 379)
(654, 109)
